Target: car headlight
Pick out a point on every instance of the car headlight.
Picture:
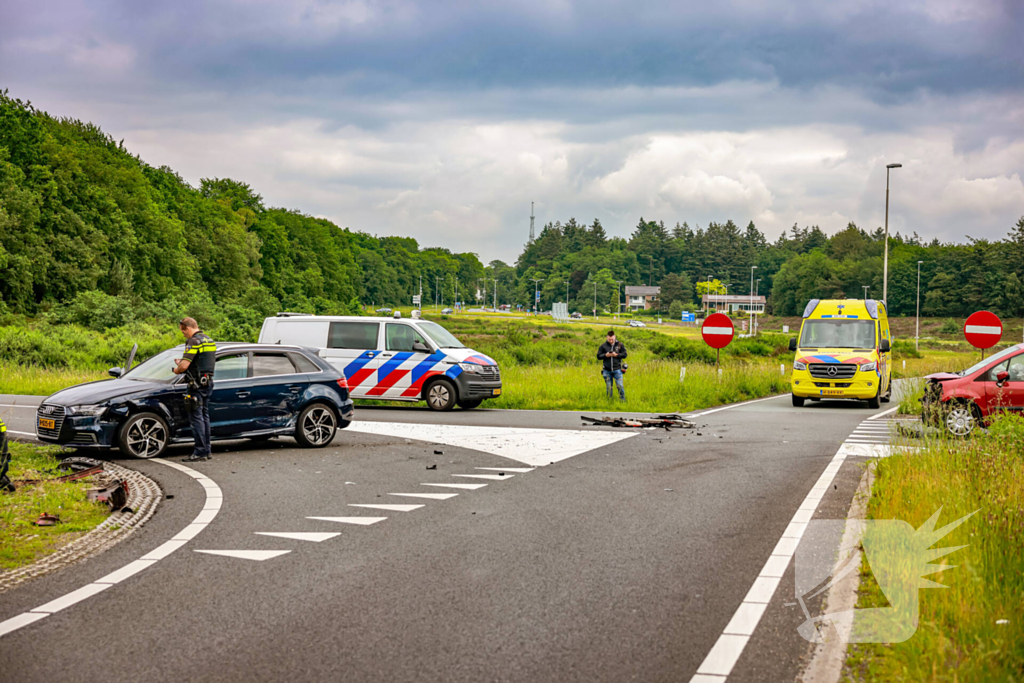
(471, 367)
(869, 367)
(797, 365)
(87, 411)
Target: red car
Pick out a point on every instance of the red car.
(962, 401)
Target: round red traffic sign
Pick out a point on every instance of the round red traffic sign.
(717, 330)
(983, 329)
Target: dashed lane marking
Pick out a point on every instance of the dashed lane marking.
(312, 536)
(468, 487)
(381, 506)
(364, 521)
(431, 496)
(519, 470)
(494, 477)
(257, 555)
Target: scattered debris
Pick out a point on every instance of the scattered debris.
(438, 452)
(432, 467)
(666, 422)
(348, 483)
(668, 489)
(113, 492)
(46, 519)
(169, 496)
(1002, 622)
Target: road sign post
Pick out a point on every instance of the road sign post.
(983, 330)
(717, 332)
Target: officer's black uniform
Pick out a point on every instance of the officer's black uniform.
(200, 351)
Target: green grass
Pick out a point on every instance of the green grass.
(21, 542)
(958, 638)
(35, 380)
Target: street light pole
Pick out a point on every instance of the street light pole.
(707, 293)
(750, 313)
(917, 318)
(885, 262)
(618, 301)
(595, 301)
(865, 288)
(536, 297)
(757, 286)
(567, 294)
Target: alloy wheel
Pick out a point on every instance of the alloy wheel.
(318, 426)
(960, 420)
(146, 437)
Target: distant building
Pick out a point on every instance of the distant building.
(641, 298)
(730, 303)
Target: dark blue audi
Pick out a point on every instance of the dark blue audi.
(260, 391)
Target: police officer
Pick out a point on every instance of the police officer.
(5, 460)
(197, 365)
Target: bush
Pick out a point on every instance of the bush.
(949, 326)
(902, 348)
(96, 311)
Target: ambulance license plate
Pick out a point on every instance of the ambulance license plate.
(47, 424)
(831, 392)
(496, 392)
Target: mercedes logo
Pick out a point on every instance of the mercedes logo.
(832, 371)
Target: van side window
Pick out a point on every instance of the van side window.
(402, 337)
(361, 336)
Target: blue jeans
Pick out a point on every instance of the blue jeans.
(200, 419)
(609, 375)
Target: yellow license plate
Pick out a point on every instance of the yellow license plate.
(496, 392)
(831, 392)
(47, 424)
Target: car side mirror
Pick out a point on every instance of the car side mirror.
(420, 347)
(1001, 378)
(115, 372)
(792, 343)
(884, 346)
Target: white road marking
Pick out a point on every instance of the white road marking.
(257, 555)
(431, 496)
(535, 447)
(17, 405)
(468, 487)
(520, 470)
(312, 536)
(495, 477)
(393, 508)
(887, 412)
(364, 521)
(11, 431)
(203, 520)
(736, 405)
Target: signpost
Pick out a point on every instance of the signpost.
(717, 332)
(689, 317)
(983, 330)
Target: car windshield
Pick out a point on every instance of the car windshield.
(838, 334)
(156, 369)
(440, 336)
(988, 361)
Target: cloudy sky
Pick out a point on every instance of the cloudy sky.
(444, 120)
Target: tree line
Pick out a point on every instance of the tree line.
(85, 224)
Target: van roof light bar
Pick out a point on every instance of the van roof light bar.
(287, 314)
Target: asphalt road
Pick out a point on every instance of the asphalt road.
(623, 562)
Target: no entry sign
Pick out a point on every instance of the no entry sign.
(717, 330)
(983, 329)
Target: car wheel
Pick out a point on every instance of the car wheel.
(469, 405)
(441, 395)
(798, 401)
(961, 419)
(144, 435)
(316, 426)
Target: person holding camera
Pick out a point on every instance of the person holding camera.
(612, 352)
(197, 364)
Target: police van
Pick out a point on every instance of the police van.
(393, 359)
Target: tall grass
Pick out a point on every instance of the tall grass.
(34, 380)
(960, 637)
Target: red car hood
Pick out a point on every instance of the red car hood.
(942, 376)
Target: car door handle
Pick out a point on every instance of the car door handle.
(387, 355)
(295, 388)
(242, 394)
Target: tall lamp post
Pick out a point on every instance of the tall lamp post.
(750, 313)
(885, 262)
(618, 301)
(708, 295)
(566, 293)
(757, 286)
(917, 318)
(536, 295)
(595, 300)
(865, 288)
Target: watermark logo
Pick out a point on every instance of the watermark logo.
(899, 557)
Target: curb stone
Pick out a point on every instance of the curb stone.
(144, 496)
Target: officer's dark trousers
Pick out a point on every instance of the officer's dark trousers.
(200, 419)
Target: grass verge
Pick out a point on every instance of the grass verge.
(35, 380)
(21, 542)
(973, 630)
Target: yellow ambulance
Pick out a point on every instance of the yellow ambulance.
(844, 351)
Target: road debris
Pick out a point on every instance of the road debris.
(432, 467)
(666, 422)
(46, 519)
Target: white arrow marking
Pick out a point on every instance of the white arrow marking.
(392, 508)
(431, 496)
(507, 469)
(983, 329)
(468, 487)
(257, 555)
(313, 536)
(351, 520)
(716, 330)
(495, 477)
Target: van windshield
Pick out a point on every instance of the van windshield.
(440, 336)
(838, 334)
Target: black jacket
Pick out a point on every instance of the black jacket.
(614, 363)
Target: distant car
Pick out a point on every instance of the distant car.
(576, 316)
(383, 310)
(260, 391)
(446, 311)
(637, 323)
(961, 402)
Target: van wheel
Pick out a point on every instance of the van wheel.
(441, 395)
(888, 394)
(469, 405)
(876, 402)
(798, 401)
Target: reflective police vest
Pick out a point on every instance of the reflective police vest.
(201, 352)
